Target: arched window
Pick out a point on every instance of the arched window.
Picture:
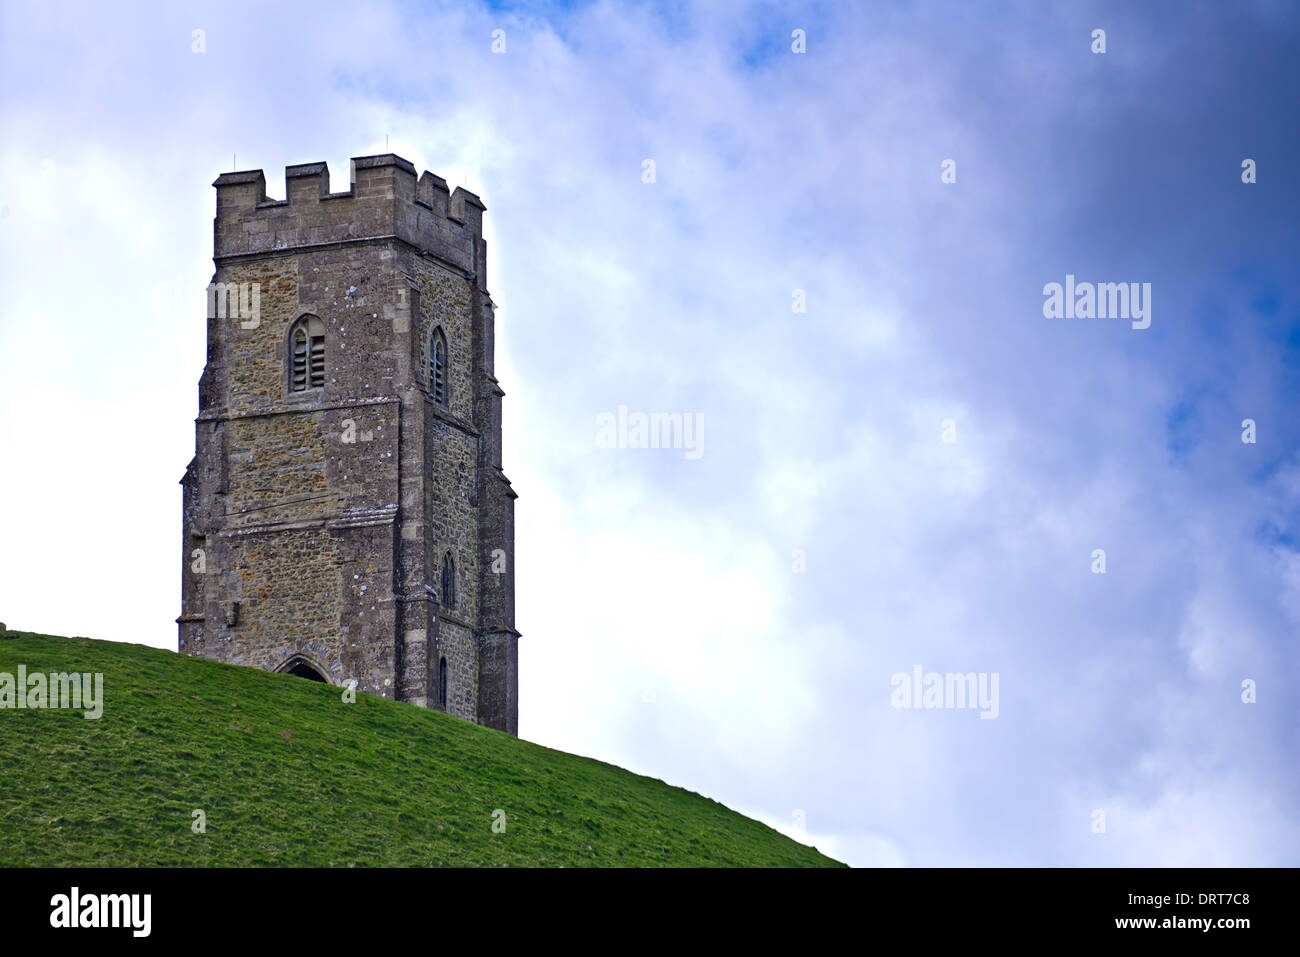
(438, 366)
(448, 581)
(306, 354)
(442, 684)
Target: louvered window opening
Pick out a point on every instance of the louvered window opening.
(307, 344)
(438, 367)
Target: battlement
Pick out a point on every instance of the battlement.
(385, 200)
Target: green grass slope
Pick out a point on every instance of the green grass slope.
(288, 774)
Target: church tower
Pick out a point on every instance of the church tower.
(346, 517)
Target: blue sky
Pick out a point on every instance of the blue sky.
(666, 628)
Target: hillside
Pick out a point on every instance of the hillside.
(289, 775)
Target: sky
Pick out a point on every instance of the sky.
(835, 265)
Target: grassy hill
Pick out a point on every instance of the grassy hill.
(288, 774)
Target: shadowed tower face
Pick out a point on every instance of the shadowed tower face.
(346, 517)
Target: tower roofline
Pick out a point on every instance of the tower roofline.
(384, 198)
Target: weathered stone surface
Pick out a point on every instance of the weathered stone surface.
(317, 522)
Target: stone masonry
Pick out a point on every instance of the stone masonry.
(325, 511)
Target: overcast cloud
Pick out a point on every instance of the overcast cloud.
(731, 623)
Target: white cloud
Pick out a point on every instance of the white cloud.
(823, 429)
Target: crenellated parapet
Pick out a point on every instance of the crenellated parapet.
(385, 201)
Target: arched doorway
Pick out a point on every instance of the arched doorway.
(304, 670)
(301, 667)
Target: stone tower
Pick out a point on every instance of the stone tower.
(345, 514)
